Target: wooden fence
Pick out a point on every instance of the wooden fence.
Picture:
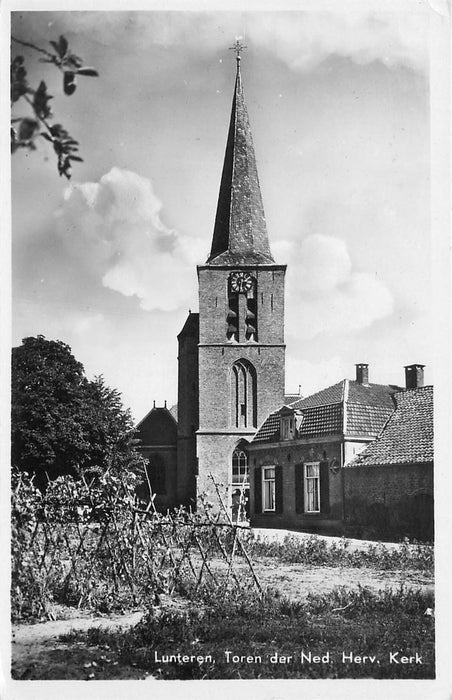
(93, 545)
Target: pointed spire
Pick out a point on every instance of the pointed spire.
(240, 232)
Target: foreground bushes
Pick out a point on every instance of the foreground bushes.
(315, 551)
(94, 546)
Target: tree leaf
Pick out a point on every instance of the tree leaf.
(28, 129)
(40, 101)
(19, 85)
(62, 47)
(69, 83)
(73, 61)
(56, 129)
(88, 71)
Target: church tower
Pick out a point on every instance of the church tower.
(241, 348)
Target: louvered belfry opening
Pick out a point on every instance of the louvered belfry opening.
(241, 319)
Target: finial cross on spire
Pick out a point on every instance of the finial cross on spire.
(238, 47)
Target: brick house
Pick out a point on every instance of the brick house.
(298, 476)
(388, 488)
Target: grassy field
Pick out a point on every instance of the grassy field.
(342, 634)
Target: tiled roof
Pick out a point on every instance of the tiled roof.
(364, 394)
(269, 430)
(290, 398)
(368, 407)
(366, 420)
(332, 394)
(321, 420)
(407, 437)
(372, 394)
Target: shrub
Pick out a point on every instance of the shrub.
(315, 551)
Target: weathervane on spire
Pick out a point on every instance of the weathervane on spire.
(238, 47)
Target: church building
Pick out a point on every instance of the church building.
(276, 460)
(232, 353)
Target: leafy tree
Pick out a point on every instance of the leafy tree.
(62, 423)
(25, 130)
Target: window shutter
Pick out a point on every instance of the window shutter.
(258, 490)
(324, 488)
(278, 489)
(299, 488)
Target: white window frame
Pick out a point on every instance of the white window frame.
(269, 480)
(243, 469)
(314, 480)
(241, 483)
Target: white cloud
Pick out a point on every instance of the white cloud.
(115, 229)
(306, 39)
(302, 39)
(331, 297)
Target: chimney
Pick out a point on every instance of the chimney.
(362, 373)
(414, 376)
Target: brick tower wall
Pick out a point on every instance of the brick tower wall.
(217, 434)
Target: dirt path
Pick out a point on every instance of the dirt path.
(296, 581)
(38, 653)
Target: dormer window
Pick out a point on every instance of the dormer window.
(287, 427)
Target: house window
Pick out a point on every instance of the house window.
(243, 395)
(312, 487)
(268, 488)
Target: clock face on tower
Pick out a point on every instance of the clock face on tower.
(241, 282)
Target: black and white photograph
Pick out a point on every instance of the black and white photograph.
(227, 408)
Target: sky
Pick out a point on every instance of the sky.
(339, 110)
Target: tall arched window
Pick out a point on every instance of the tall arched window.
(243, 395)
(240, 469)
(240, 485)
